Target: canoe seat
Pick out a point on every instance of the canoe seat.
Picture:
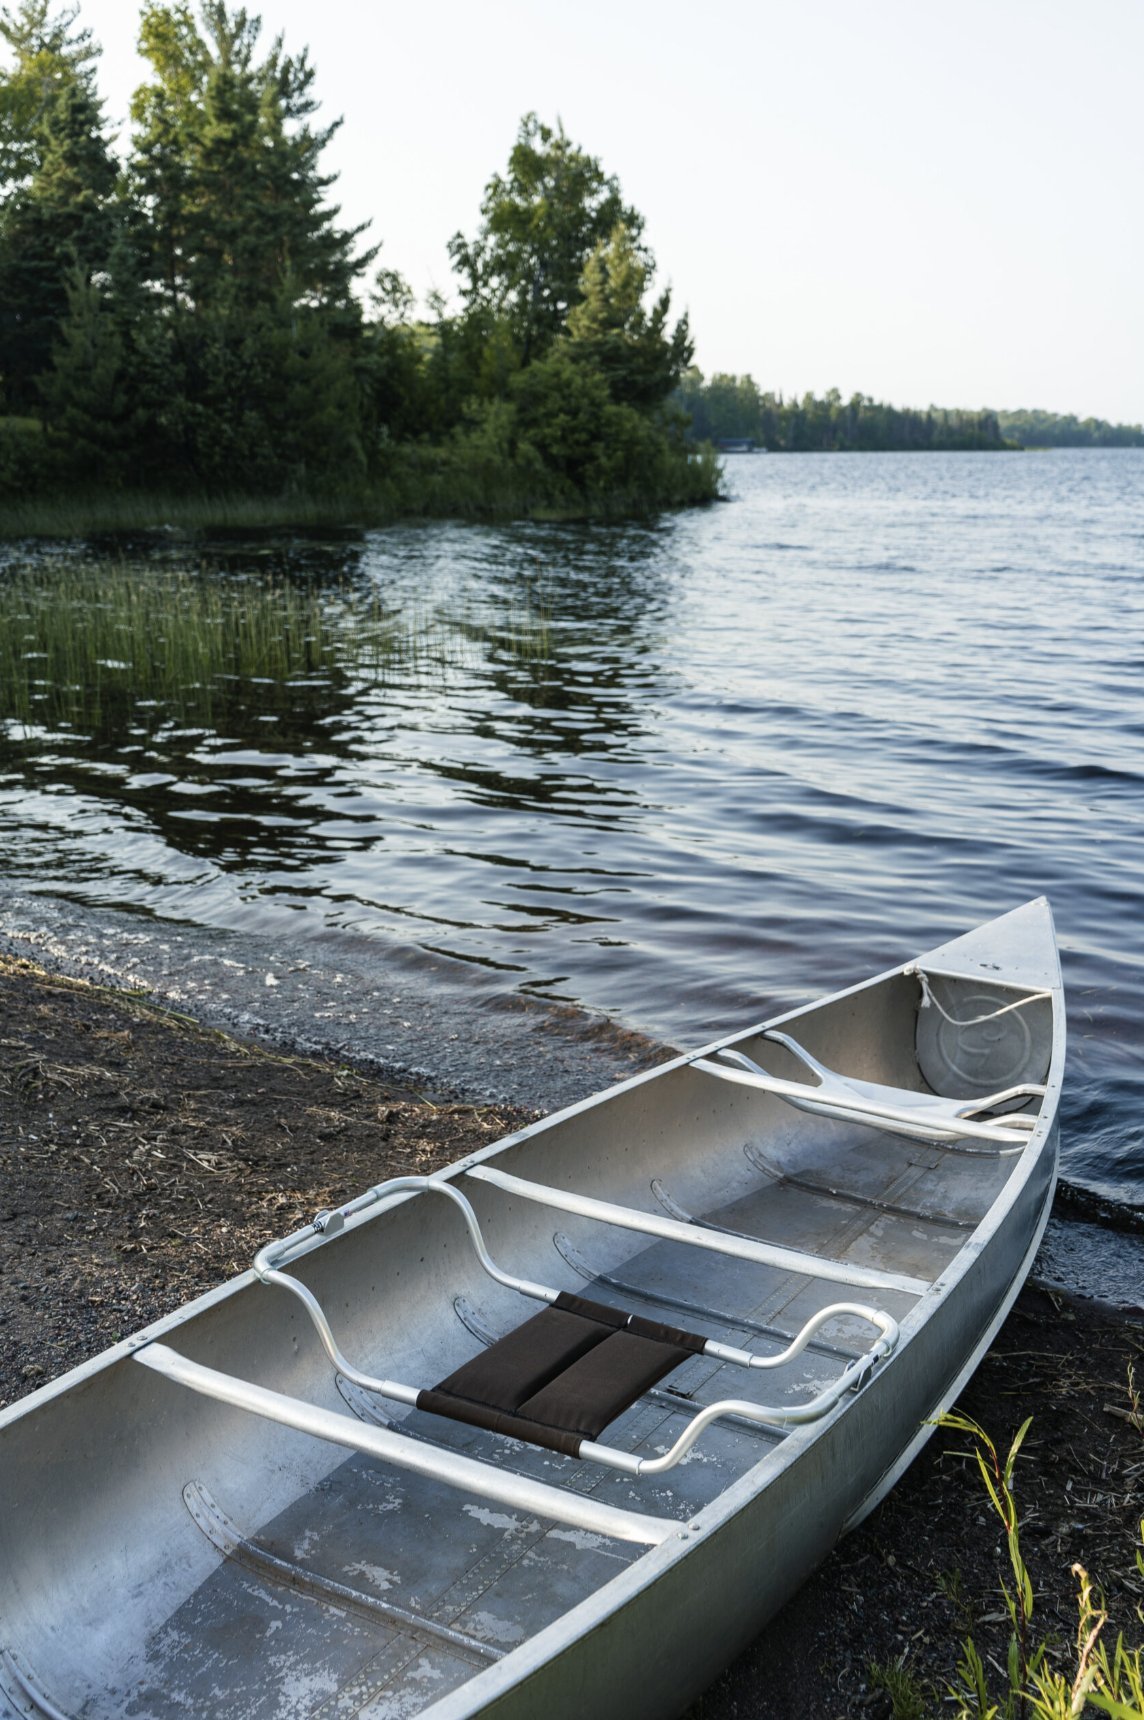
(920, 1116)
(562, 1376)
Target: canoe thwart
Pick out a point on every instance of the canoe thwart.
(714, 1241)
(451, 1468)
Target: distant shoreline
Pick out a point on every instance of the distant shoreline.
(728, 409)
(1004, 448)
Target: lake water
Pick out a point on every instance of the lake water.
(684, 773)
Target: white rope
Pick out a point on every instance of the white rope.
(929, 997)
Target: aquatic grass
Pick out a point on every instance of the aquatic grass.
(519, 630)
(73, 638)
(82, 642)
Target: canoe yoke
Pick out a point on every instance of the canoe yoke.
(920, 1116)
(559, 1379)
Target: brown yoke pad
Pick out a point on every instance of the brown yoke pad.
(564, 1375)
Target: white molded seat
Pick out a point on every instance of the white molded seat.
(897, 1110)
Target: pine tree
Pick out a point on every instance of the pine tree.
(57, 212)
(641, 360)
(254, 274)
(49, 54)
(114, 400)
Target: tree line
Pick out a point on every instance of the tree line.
(192, 315)
(735, 409)
(1037, 429)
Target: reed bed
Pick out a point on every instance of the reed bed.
(82, 641)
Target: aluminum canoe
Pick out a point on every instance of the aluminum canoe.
(322, 1490)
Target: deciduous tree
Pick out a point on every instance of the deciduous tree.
(640, 358)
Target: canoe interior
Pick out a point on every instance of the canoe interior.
(164, 1555)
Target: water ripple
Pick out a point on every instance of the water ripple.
(685, 772)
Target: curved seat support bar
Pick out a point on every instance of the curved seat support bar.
(797, 1415)
(873, 1317)
(392, 1389)
(275, 1254)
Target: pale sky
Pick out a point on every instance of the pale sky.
(926, 201)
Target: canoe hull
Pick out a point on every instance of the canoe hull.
(107, 1565)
